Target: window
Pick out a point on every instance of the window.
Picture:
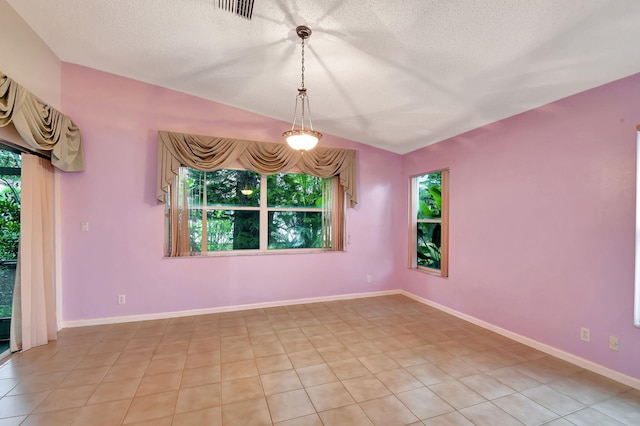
(429, 219)
(239, 210)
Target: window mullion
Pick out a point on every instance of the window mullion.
(205, 237)
(264, 214)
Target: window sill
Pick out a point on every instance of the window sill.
(433, 272)
(257, 253)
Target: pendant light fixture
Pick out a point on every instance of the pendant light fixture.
(302, 138)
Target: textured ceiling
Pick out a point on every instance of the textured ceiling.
(396, 74)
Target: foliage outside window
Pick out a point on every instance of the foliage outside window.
(429, 218)
(10, 165)
(241, 210)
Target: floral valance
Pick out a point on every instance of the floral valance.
(42, 127)
(210, 153)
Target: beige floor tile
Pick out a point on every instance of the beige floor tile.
(406, 357)
(254, 412)
(450, 419)
(281, 381)
(388, 411)
(487, 386)
(428, 374)
(241, 389)
(238, 370)
(157, 383)
(335, 353)
(54, 418)
(288, 405)
(166, 365)
(198, 398)
(351, 415)
(305, 358)
(294, 346)
(204, 359)
(35, 384)
(105, 414)
(329, 396)
(398, 380)
(624, 408)
(316, 375)
(200, 376)
(554, 400)
(15, 421)
(160, 421)
(378, 362)
(240, 353)
(273, 363)
(308, 420)
(135, 355)
(365, 388)
(424, 403)
(591, 417)
(98, 360)
(85, 376)
(119, 372)
(60, 399)
(522, 408)
(114, 391)
(268, 349)
(154, 406)
(588, 388)
(349, 368)
(457, 394)
(514, 378)
(209, 417)
(487, 414)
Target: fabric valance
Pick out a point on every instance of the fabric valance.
(42, 127)
(210, 153)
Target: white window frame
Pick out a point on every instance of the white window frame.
(444, 221)
(636, 310)
(264, 211)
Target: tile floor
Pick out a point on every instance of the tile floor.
(381, 360)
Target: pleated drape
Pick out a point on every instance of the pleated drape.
(42, 127)
(208, 153)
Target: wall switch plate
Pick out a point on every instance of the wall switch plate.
(585, 334)
(614, 343)
(368, 278)
(121, 299)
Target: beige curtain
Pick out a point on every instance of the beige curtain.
(34, 316)
(42, 127)
(178, 210)
(210, 153)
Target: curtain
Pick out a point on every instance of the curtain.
(34, 316)
(178, 210)
(42, 127)
(208, 153)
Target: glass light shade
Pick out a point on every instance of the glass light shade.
(246, 191)
(302, 139)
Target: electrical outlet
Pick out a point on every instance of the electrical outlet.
(614, 343)
(585, 334)
(121, 299)
(368, 278)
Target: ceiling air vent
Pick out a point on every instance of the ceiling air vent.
(243, 8)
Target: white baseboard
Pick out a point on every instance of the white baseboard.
(217, 310)
(566, 356)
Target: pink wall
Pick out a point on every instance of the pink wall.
(122, 252)
(542, 223)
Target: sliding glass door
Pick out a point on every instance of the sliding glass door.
(10, 164)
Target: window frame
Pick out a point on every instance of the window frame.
(443, 220)
(264, 209)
